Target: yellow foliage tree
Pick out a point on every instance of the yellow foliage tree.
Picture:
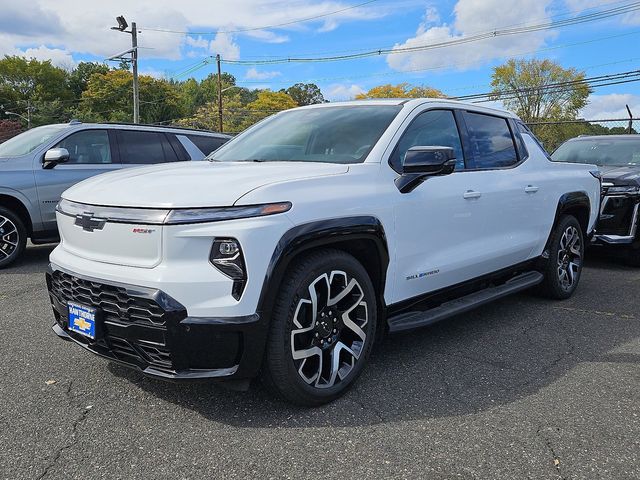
(402, 90)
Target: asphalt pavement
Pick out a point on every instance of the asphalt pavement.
(522, 388)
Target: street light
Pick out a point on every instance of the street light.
(122, 27)
(27, 118)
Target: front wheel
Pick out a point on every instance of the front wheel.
(13, 237)
(322, 329)
(566, 256)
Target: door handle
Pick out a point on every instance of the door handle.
(531, 189)
(470, 194)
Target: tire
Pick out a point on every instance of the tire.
(13, 237)
(566, 257)
(299, 359)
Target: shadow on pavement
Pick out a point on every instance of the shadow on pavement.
(493, 356)
(34, 259)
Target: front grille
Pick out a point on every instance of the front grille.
(115, 302)
(616, 217)
(133, 323)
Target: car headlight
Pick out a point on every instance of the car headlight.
(226, 255)
(624, 189)
(202, 215)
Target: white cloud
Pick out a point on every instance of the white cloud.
(84, 27)
(472, 17)
(338, 92)
(254, 74)
(223, 45)
(58, 57)
(602, 107)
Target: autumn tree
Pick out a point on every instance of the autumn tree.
(527, 88)
(402, 90)
(79, 76)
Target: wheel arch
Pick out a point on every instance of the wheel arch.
(578, 205)
(19, 208)
(363, 237)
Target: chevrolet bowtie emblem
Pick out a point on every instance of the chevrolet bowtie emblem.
(82, 324)
(89, 223)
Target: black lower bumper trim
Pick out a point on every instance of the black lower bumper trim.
(159, 340)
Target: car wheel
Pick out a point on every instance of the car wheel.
(566, 256)
(13, 237)
(322, 329)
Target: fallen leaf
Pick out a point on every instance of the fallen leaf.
(556, 462)
(50, 382)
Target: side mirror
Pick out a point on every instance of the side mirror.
(423, 162)
(54, 156)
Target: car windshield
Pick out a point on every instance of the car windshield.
(28, 141)
(341, 134)
(605, 152)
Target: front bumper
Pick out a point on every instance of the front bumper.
(146, 329)
(618, 221)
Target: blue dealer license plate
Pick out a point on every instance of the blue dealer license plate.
(82, 320)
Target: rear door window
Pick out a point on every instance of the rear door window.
(145, 148)
(88, 147)
(491, 141)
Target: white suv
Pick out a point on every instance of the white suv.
(312, 233)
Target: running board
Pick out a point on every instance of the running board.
(416, 319)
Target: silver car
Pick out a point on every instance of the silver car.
(39, 164)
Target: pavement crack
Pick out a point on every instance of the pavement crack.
(499, 365)
(555, 459)
(73, 440)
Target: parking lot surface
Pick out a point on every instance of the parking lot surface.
(522, 388)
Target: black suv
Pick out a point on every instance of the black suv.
(619, 159)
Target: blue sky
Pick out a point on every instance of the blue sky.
(67, 32)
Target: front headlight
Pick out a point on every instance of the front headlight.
(203, 215)
(631, 189)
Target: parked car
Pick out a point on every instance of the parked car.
(39, 164)
(310, 234)
(618, 157)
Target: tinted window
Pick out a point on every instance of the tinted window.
(145, 147)
(491, 141)
(332, 134)
(88, 147)
(605, 152)
(432, 128)
(206, 144)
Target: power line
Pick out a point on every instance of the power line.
(581, 19)
(265, 27)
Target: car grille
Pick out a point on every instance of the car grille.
(616, 217)
(134, 326)
(115, 302)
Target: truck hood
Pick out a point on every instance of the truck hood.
(191, 184)
(621, 175)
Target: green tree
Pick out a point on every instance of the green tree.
(305, 93)
(268, 103)
(108, 97)
(402, 90)
(29, 83)
(79, 77)
(522, 86)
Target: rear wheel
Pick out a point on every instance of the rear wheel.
(322, 329)
(566, 255)
(13, 237)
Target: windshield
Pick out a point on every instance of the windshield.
(605, 152)
(342, 134)
(28, 141)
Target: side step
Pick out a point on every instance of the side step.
(416, 319)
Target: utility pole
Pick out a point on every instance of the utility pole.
(219, 93)
(29, 114)
(134, 62)
(122, 27)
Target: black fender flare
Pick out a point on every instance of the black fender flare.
(316, 234)
(571, 201)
